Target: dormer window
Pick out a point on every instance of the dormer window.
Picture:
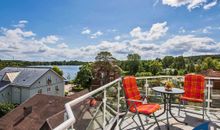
(49, 81)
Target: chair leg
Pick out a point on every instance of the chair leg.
(156, 121)
(203, 111)
(123, 118)
(179, 108)
(140, 120)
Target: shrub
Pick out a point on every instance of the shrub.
(5, 108)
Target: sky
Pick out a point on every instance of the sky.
(49, 30)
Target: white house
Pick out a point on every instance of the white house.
(19, 84)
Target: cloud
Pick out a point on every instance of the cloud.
(24, 45)
(188, 44)
(210, 5)
(96, 34)
(62, 45)
(117, 38)
(51, 39)
(157, 30)
(86, 31)
(191, 4)
(21, 24)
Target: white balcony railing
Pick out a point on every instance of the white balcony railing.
(71, 119)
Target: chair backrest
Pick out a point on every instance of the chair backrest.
(131, 89)
(194, 85)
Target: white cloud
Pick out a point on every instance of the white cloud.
(23, 21)
(25, 45)
(62, 45)
(21, 24)
(86, 31)
(117, 38)
(96, 34)
(182, 30)
(51, 39)
(191, 4)
(210, 5)
(157, 30)
(187, 44)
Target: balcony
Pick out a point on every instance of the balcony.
(109, 106)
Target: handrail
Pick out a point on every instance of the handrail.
(71, 118)
(66, 124)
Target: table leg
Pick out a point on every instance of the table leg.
(165, 105)
(171, 112)
(167, 110)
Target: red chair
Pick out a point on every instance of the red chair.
(194, 86)
(134, 101)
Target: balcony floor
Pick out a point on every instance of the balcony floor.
(192, 120)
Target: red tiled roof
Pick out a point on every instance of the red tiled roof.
(43, 107)
(211, 73)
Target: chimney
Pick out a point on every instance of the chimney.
(27, 110)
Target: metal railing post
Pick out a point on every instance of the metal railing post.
(146, 85)
(104, 110)
(209, 85)
(118, 103)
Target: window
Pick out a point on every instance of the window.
(49, 81)
(40, 91)
(57, 88)
(48, 89)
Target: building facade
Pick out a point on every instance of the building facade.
(19, 84)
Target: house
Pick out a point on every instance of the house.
(40, 112)
(19, 84)
(215, 94)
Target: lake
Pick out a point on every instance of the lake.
(68, 70)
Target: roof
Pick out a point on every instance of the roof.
(43, 106)
(211, 73)
(3, 84)
(26, 76)
(46, 109)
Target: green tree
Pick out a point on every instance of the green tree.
(5, 108)
(167, 61)
(134, 63)
(179, 63)
(210, 63)
(191, 67)
(104, 56)
(84, 76)
(155, 67)
(57, 70)
(198, 68)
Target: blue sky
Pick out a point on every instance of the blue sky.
(79, 29)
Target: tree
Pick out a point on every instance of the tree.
(57, 70)
(133, 63)
(84, 76)
(5, 108)
(179, 63)
(167, 61)
(210, 63)
(191, 67)
(155, 67)
(104, 56)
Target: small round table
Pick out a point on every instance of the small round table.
(167, 101)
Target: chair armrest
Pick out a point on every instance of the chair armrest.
(133, 100)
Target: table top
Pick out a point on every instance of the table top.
(174, 90)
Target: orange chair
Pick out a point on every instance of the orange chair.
(134, 101)
(194, 86)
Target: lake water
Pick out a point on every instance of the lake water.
(68, 70)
